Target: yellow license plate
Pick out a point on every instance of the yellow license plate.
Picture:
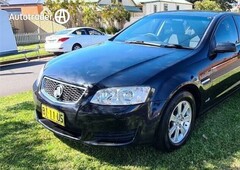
(53, 115)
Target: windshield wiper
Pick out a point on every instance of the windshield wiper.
(144, 43)
(178, 46)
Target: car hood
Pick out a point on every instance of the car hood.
(113, 64)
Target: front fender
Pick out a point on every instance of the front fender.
(172, 85)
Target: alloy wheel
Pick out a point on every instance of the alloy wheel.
(76, 47)
(180, 122)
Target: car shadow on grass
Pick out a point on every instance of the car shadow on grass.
(27, 106)
(214, 144)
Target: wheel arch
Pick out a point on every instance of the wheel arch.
(191, 88)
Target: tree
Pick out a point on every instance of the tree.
(90, 14)
(74, 8)
(224, 4)
(121, 15)
(114, 13)
(207, 5)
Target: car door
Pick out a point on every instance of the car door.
(225, 66)
(81, 37)
(96, 37)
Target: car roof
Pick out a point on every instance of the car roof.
(196, 13)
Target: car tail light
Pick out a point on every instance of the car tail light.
(63, 39)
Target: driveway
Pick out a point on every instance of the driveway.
(19, 77)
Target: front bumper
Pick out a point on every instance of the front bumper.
(97, 138)
(102, 125)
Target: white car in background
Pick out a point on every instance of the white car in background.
(73, 39)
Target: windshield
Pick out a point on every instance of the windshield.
(181, 31)
(63, 32)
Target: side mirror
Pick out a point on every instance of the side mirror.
(225, 47)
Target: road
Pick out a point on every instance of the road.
(19, 77)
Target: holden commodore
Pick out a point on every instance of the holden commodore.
(147, 84)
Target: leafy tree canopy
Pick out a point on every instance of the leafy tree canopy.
(90, 14)
(207, 5)
(224, 4)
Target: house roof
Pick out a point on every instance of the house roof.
(170, 1)
(132, 9)
(128, 8)
(24, 2)
(99, 2)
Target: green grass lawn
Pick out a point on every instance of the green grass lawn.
(25, 144)
(42, 52)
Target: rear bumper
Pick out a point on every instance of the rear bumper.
(55, 47)
(103, 125)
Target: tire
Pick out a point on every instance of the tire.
(58, 53)
(76, 47)
(174, 128)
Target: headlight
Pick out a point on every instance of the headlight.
(121, 96)
(40, 76)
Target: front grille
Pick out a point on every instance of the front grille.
(120, 137)
(70, 93)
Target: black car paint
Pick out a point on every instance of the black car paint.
(116, 64)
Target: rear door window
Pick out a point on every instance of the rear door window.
(80, 32)
(94, 32)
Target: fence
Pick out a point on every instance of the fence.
(30, 38)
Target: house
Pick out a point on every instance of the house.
(149, 7)
(129, 5)
(24, 23)
(152, 6)
(23, 7)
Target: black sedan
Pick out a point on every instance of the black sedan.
(148, 83)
